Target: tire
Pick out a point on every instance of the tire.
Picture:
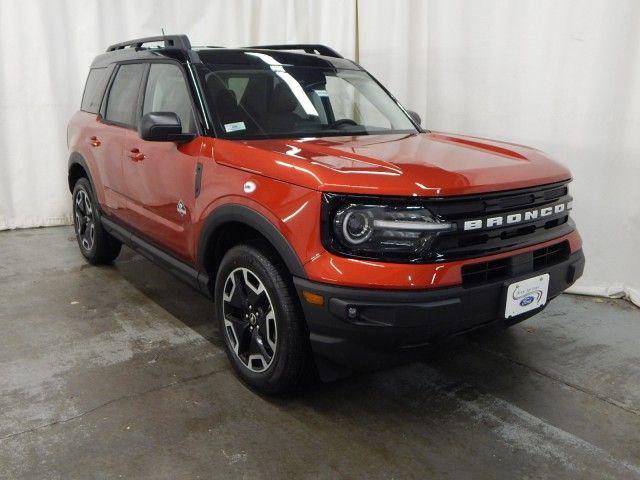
(97, 246)
(252, 281)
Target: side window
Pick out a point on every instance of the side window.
(93, 90)
(167, 92)
(123, 95)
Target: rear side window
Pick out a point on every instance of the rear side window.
(123, 95)
(93, 90)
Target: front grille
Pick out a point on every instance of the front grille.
(495, 270)
(488, 241)
(465, 242)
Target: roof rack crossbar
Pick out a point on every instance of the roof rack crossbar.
(175, 41)
(306, 47)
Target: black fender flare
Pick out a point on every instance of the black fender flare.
(241, 214)
(76, 159)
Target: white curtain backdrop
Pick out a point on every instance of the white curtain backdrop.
(46, 48)
(560, 75)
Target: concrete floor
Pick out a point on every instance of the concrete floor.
(117, 372)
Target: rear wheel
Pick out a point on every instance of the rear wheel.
(97, 246)
(262, 327)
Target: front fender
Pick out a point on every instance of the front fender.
(234, 212)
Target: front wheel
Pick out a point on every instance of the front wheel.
(261, 324)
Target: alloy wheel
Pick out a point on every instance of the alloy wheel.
(249, 319)
(84, 220)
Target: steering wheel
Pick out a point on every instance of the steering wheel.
(343, 121)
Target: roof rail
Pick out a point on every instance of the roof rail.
(306, 47)
(175, 41)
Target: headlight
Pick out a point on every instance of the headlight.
(393, 230)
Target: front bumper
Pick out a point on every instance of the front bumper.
(396, 326)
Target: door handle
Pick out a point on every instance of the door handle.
(94, 141)
(136, 155)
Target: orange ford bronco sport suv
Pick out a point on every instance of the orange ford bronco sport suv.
(330, 229)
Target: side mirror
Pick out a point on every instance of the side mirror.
(163, 127)
(415, 117)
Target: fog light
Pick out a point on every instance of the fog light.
(352, 313)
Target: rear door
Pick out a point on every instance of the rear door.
(160, 176)
(115, 124)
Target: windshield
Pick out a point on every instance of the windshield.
(293, 102)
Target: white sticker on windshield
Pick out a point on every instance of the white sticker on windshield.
(321, 93)
(234, 127)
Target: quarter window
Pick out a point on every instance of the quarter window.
(123, 95)
(167, 92)
(93, 90)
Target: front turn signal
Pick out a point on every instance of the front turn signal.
(313, 298)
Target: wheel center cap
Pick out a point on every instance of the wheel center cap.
(252, 318)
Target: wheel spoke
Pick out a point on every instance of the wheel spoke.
(255, 298)
(80, 203)
(257, 346)
(237, 296)
(87, 205)
(87, 233)
(270, 329)
(254, 288)
(81, 223)
(241, 332)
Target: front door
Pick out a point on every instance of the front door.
(160, 176)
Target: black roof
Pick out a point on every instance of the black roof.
(178, 47)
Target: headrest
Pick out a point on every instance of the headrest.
(213, 85)
(226, 100)
(282, 100)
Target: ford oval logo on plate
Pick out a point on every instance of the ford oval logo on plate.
(527, 300)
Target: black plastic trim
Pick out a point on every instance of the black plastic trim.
(198, 180)
(396, 326)
(77, 159)
(182, 270)
(305, 47)
(170, 41)
(239, 213)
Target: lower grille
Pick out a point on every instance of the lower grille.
(485, 272)
(545, 257)
(495, 270)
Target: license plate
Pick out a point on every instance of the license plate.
(526, 295)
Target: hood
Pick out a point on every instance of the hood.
(425, 164)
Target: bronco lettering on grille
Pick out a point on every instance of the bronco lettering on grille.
(515, 218)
